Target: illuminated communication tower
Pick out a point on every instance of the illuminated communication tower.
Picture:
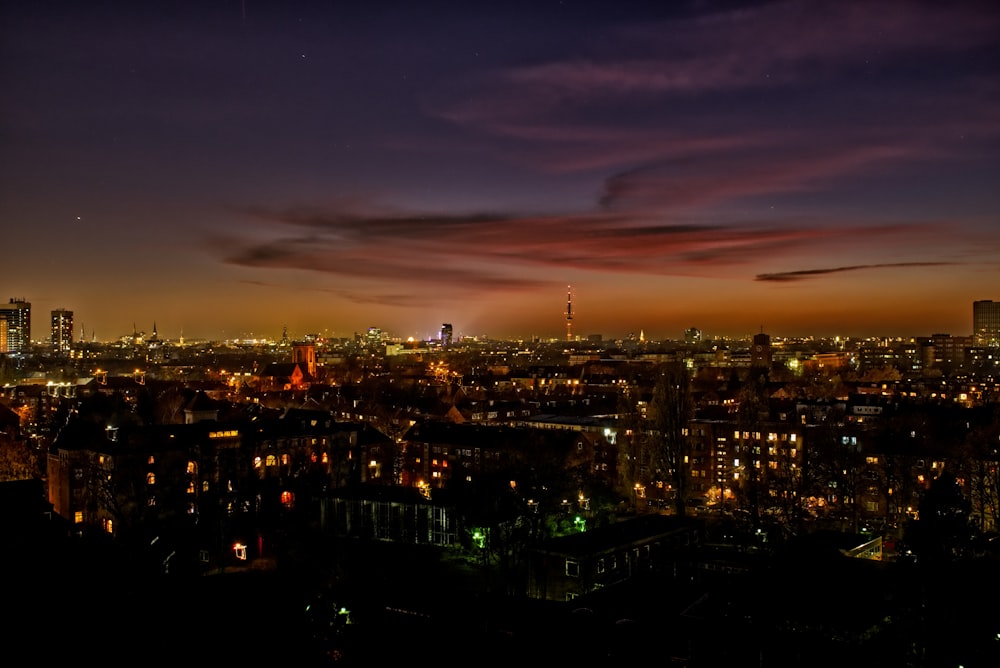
(569, 313)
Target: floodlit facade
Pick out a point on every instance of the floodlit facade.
(17, 315)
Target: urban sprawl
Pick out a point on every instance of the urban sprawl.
(808, 499)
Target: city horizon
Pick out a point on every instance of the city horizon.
(83, 333)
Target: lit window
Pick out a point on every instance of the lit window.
(190, 489)
(192, 468)
(150, 478)
(271, 460)
(256, 462)
(326, 458)
(204, 486)
(284, 459)
(78, 517)
(152, 459)
(287, 499)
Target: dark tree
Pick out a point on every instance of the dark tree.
(752, 411)
(631, 445)
(17, 460)
(942, 531)
(670, 412)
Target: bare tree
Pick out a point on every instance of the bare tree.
(670, 412)
(752, 408)
(631, 445)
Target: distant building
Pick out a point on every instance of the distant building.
(17, 315)
(304, 354)
(760, 352)
(446, 334)
(945, 352)
(62, 330)
(373, 338)
(435, 454)
(284, 376)
(986, 323)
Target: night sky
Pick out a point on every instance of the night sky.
(227, 169)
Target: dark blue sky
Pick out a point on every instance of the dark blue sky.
(226, 169)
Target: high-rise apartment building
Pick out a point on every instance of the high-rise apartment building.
(17, 315)
(446, 334)
(986, 323)
(62, 330)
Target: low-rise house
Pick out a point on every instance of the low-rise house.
(397, 514)
(568, 567)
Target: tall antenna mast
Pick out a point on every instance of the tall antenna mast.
(569, 312)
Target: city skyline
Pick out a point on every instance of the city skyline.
(63, 333)
(228, 171)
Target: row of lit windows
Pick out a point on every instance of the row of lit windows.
(272, 460)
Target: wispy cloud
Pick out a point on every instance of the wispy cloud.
(510, 253)
(787, 276)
